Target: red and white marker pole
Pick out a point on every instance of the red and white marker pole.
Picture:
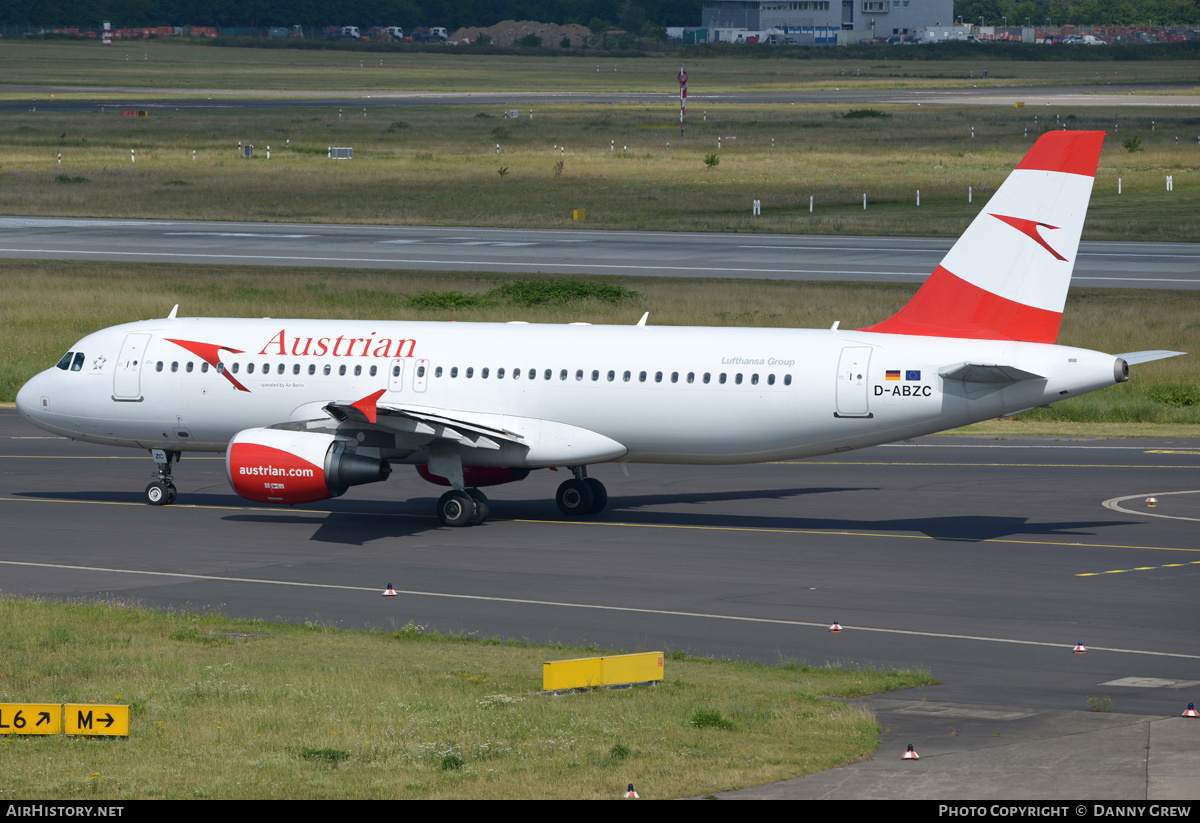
(683, 77)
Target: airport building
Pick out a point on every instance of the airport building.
(808, 22)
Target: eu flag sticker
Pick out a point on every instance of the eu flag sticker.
(912, 374)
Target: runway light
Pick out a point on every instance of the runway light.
(911, 754)
(1151, 502)
(1191, 711)
(836, 627)
(389, 591)
(1079, 649)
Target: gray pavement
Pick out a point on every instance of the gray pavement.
(973, 752)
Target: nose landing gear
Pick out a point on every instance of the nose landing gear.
(161, 491)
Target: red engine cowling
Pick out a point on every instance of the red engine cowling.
(290, 467)
(476, 476)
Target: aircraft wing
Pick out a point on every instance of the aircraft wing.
(525, 441)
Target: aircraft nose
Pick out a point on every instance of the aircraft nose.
(32, 399)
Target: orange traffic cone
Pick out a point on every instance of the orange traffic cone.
(1191, 711)
(1079, 649)
(836, 627)
(910, 754)
(389, 591)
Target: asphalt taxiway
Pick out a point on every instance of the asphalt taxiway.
(563, 252)
(985, 561)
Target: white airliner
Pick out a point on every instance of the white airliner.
(304, 409)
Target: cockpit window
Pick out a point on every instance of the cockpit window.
(77, 363)
(65, 363)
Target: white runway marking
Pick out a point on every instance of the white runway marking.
(557, 604)
(492, 263)
(1114, 503)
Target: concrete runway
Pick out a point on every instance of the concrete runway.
(993, 92)
(563, 252)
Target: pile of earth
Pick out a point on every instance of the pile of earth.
(508, 32)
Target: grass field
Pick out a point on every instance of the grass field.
(184, 66)
(223, 708)
(439, 165)
(45, 306)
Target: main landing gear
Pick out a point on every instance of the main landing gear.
(463, 507)
(578, 497)
(161, 492)
(581, 495)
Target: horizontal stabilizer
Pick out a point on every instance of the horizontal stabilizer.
(987, 373)
(1135, 357)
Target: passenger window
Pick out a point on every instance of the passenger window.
(562, 375)
(328, 368)
(234, 368)
(595, 375)
(249, 368)
(420, 371)
(787, 380)
(437, 372)
(738, 379)
(658, 377)
(691, 377)
(517, 373)
(483, 373)
(77, 363)
(470, 371)
(357, 371)
(65, 363)
(280, 369)
(754, 379)
(175, 366)
(341, 371)
(546, 376)
(674, 377)
(770, 380)
(189, 367)
(204, 368)
(707, 377)
(158, 366)
(499, 374)
(611, 375)
(221, 367)
(641, 377)
(296, 368)
(579, 374)
(454, 371)
(266, 368)
(721, 379)
(312, 369)
(626, 376)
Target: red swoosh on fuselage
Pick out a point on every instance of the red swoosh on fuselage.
(210, 354)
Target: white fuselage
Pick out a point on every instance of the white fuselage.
(665, 394)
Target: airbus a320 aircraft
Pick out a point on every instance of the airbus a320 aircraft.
(304, 409)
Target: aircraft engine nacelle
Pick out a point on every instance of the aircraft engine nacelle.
(476, 476)
(290, 467)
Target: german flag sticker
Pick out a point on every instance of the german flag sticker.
(893, 374)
